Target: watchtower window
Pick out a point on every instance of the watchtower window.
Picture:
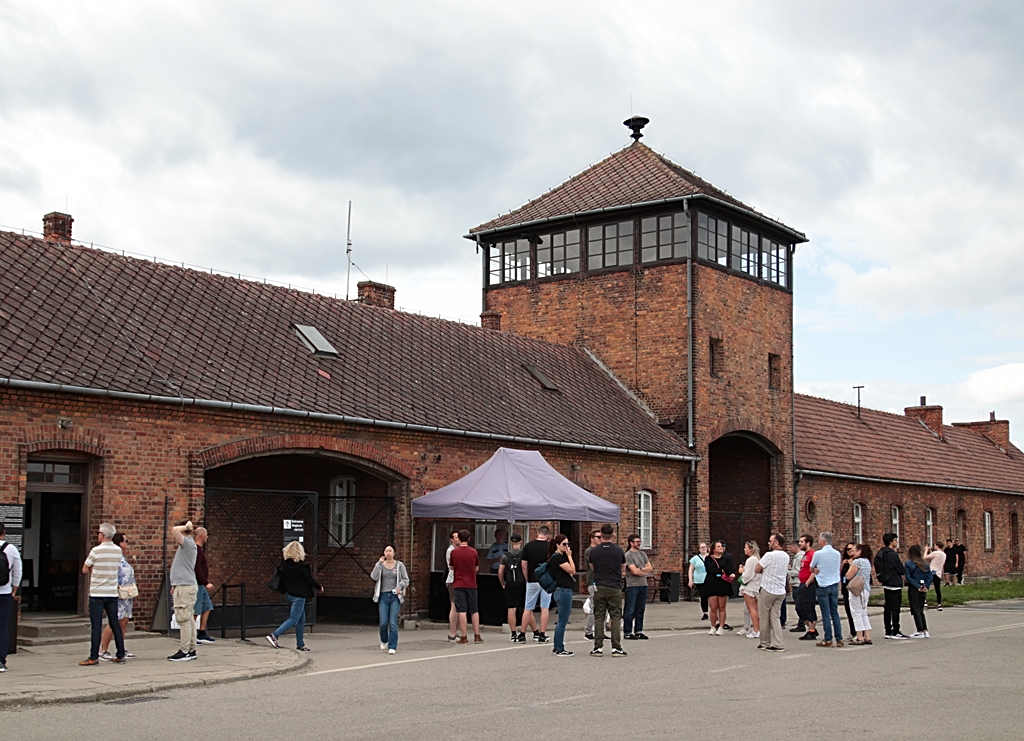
(713, 239)
(558, 253)
(775, 262)
(517, 260)
(609, 245)
(664, 237)
(744, 257)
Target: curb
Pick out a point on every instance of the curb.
(11, 702)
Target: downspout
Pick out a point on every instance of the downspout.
(692, 475)
(792, 398)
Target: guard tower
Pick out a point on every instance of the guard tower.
(685, 294)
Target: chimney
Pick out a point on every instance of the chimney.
(376, 294)
(491, 319)
(996, 430)
(57, 227)
(931, 416)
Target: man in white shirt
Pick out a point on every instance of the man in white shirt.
(101, 565)
(8, 591)
(773, 568)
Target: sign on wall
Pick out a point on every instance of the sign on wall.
(293, 530)
(13, 518)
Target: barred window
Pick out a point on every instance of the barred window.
(343, 510)
(609, 245)
(644, 518)
(712, 239)
(744, 256)
(558, 253)
(664, 237)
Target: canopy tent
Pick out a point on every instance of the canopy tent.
(515, 485)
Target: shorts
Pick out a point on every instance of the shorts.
(203, 601)
(533, 590)
(515, 595)
(465, 600)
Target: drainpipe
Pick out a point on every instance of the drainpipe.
(792, 397)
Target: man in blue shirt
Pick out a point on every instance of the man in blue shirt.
(825, 567)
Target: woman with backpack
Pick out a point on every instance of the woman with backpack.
(297, 583)
(563, 569)
(513, 581)
(391, 580)
(919, 578)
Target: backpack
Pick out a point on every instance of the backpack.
(514, 568)
(545, 578)
(5, 566)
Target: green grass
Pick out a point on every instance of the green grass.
(984, 590)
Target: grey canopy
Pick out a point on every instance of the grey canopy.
(515, 485)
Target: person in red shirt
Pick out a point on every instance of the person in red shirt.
(805, 593)
(466, 564)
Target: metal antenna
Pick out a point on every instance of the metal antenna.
(858, 400)
(348, 250)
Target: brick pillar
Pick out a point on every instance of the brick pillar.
(490, 319)
(57, 227)
(376, 294)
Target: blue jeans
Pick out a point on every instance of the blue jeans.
(562, 598)
(387, 609)
(296, 619)
(98, 606)
(633, 612)
(828, 601)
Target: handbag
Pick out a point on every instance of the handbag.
(856, 585)
(127, 591)
(274, 585)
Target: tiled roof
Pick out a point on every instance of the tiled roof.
(78, 316)
(830, 437)
(634, 174)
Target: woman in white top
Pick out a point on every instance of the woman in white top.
(750, 585)
(453, 540)
(860, 566)
(936, 558)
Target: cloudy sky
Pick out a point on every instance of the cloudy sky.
(232, 135)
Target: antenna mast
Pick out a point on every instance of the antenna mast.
(348, 249)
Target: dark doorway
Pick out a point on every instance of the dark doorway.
(60, 533)
(1014, 543)
(740, 501)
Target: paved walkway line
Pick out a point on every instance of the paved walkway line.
(980, 631)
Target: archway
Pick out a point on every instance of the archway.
(740, 490)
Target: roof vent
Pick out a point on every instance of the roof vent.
(315, 342)
(542, 378)
(636, 123)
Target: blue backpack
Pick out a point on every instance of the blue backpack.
(545, 578)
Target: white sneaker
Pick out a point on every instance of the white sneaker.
(741, 633)
(711, 631)
(918, 634)
(105, 656)
(754, 634)
(720, 631)
(383, 647)
(927, 634)
(391, 651)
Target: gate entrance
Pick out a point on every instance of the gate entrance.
(740, 504)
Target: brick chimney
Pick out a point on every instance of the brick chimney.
(57, 227)
(996, 430)
(376, 294)
(490, 319)
(931, 416)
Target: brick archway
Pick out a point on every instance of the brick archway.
(740, 487)
(47, 439)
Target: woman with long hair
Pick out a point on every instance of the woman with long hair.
(297, 583)
(563, 568)
(697, 576)
(718, 583)
(391, 579)
(919, 578)
(750, 585)
(860, 566)
(125, 577)
(843, 567)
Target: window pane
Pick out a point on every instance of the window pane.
(649, 224)
(572, 250)
(649, 240)
(572, 236)
(594, 262)
(648, 254)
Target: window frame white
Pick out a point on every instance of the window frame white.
(858, 522)
(929, 526)
(894, 519)
(989, 540)
(645, 518)
(342, 511)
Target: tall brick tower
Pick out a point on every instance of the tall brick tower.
(685, 294)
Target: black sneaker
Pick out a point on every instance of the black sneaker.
(797, 629)
(618, 652)
(589, 636)
(192, 656)
(704, 616)
(629, 637)
(639, 637)
(521, 637)
(774, 648)
(726, 626)
(204, 638)
(302, 648)
(597, 652)
(179, 656)
(541, 638)
(536, 636)
(809, 636)
(565, 652)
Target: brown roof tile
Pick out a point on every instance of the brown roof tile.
(79, 316)
(635, 174)
(831, 437)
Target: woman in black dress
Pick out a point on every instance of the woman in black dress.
(721, 573)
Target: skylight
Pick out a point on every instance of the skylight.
(315, 342)
(546, 383)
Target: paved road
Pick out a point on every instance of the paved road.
(966, 682)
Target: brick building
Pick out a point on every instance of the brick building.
(637, 330)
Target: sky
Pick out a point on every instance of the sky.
(234, 134)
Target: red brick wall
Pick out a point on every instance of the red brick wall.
(834, 500)
(144, 452)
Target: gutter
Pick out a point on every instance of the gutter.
(878, 480)
(325, 417)
(799, 236)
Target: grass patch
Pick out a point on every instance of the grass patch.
(984, 590)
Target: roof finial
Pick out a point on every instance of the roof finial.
(636, 123)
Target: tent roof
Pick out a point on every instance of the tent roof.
(515, 485)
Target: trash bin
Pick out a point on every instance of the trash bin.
(670, 585)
